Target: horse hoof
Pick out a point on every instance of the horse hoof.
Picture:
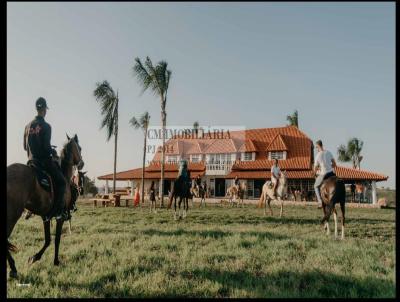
(56, 262)
(32, 260)
(13, 274)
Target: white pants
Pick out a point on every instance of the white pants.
(317, 185)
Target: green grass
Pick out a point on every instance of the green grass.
(215, 252)
(389, 194)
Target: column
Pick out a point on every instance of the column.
(374, 198)
(132, 189)
(106, 188)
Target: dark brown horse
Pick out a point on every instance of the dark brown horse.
(333, 192)
(25, 192)
(180, 189)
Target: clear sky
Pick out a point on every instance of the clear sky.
(244, 64)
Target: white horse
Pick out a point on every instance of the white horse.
(267, 193)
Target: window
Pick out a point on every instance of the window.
(250, 188)
(172, 158)
(277, 155)
(195, 158)
(247, 156)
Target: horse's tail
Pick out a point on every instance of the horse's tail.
(260, 202)
(11, 247)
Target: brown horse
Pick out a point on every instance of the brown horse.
(25, 192)
(333, 191)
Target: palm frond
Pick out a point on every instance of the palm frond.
(108, 100)
(343, 154)
(142, 75)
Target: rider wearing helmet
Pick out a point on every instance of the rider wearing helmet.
(37, 138)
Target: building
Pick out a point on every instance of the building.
(247, 154)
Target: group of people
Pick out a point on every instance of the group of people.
(37, 136)
(323, 168)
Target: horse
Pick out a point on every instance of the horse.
(25, 192)
(234, 192)
(332, 192)
(267, 193)
(202, 195)
(77, 184)
(180, 189)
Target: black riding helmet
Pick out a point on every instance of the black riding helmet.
(41, 103)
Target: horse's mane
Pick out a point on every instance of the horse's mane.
(65, 156)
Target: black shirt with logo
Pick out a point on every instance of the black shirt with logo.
(37, 138)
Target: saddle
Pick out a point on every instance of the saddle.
(42, 176)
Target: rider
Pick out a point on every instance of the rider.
(37, 144)
(325, 162)
(184, 174)
(275, 175)
(236, 182)
(198, 182)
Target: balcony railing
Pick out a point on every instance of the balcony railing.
(222, 168)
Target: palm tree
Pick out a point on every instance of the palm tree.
(108, 100)
(142, 123)
(156, 78)
(352, 152)
(293, 119)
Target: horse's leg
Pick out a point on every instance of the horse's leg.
(179, 206)
(280, 216)
(335, 220)
(185, 206)
(47, 241)
(342, 208)
(59, 226)
(175, 208)
(269, 205)
(69, 226)
(11, 263)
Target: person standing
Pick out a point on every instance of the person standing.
(137, 196)
(353, 192)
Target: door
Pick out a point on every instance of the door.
(219, 187)
(258, 184)
(167, 186)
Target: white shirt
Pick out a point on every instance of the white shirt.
(324, 161)
(275, 171)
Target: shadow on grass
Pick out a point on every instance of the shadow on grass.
(212, 233)
(296, 284)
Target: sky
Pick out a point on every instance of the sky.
(241, 64)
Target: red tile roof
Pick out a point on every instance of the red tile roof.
(247, 146)
(342, 172)
(277, 144)
(137, 174)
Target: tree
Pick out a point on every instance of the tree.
(351, 152)
(156, 78)
(109, 100)
(142, 123)
(293, 119)
(89, 186)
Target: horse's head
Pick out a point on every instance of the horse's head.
(74, 152)
(283, 184)
(81, 180)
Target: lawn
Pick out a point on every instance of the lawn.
(215, 252)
